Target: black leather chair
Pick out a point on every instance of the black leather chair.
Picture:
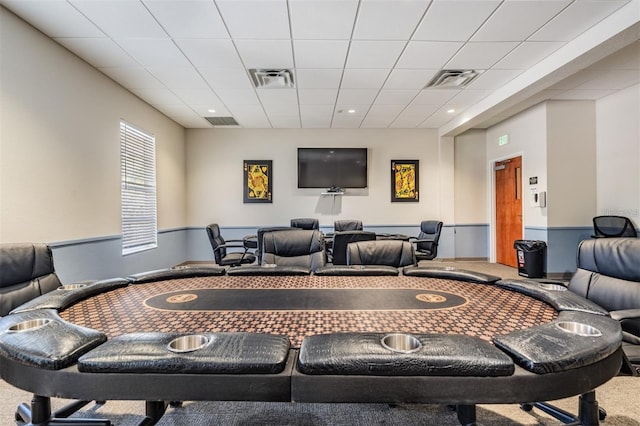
(26, 272)
(426, 244)
(342, 239)
(305, 223)
(613, 227)
(609, 274)
(347, 225)
(294, 247)
(260, 238)
(220, 246)
(394, 253)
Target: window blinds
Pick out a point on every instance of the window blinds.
(138, 192)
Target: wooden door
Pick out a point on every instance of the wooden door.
(508, 178)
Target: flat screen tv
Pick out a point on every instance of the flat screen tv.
(332, 168)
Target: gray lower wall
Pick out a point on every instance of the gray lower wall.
(102, 257)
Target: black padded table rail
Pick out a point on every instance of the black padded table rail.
(455, 363)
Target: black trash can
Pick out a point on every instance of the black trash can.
(531, 257)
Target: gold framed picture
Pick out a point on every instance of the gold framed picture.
(404, 181)
(258, 184)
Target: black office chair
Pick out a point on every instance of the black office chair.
(305, 223)
(613, 227)
(396, 253)
(26, 272)
(220, 246)
(347, 225)
(294, 247)
(260, 238)
(426, 244)
(342, 239)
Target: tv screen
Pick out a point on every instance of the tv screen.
(332, 168)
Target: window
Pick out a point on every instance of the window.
(138, 179)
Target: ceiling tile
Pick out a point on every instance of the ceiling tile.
(285, 121)
(343, 121)
(188, 19)
(358, 110)
(279, 101)
(427, 54)
(320, 53)
(154, 52)
(250, 116)
(317, 96)
(385, 110)
(133, 78)
(316, 116)
(377, 121)
(238, 97)
(256, 19)
(407, 121)
(396, 97)
(468, 97)
(198, 97)
(318, 78)
(480, 55)
(226, 78)
(265, 53)
(357, 96)
(329, 20)
(183, 115)
(388, 20)
(517, 20)
(493, 79)
(205, 111)
(161, 96)
(182, 78)
(121, 18)
(434, 96)
(423, 110)
(454, 20)
(576, 19)
(528, 54)
(210, 53)
(364, 78)
(409, 79)
(56, 18)
(99, 52)
(374, 54)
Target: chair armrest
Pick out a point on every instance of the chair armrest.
(625, 314)
(226, 246)
(423, 240)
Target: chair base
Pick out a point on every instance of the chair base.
(39, 413)
(589, 414)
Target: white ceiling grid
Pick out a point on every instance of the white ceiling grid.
(372, 57)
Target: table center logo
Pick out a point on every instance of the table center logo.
(431, 298)
(182, 298)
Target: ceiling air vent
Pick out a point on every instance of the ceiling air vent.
(452, 79)
(271, 78)
(222, 121)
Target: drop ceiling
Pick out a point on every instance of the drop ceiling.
(354, 64)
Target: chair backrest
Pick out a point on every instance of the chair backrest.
(260, 237)
(26, 272)
(294, 247)
(342, 238)
(347, 225)
(216, 240)
(381, 252)
(613, 227)
(305, 223)
(609, 272)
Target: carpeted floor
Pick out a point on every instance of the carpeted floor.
(620, 397)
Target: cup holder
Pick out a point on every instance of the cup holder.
(579, 329)
(403, 343)
(29, 325)
(188, 343)
(552, 287)
(72, 286)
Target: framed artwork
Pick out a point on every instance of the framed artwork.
(404, 181)
(258, 185)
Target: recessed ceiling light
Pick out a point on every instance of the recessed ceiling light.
(212, 110)
(351, 111)
(451, 111)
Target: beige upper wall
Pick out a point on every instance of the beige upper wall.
(215, 177)
(471, 178)
(59, 143)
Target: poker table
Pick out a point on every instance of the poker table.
(347, 334)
